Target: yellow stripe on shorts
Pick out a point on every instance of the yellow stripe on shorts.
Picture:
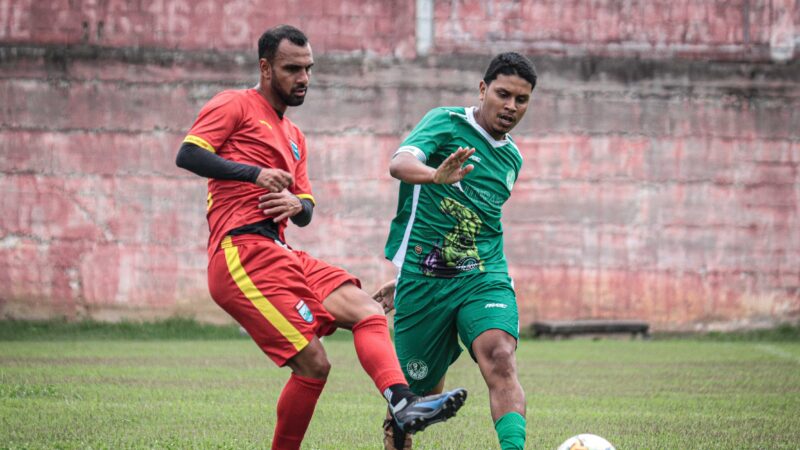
(261, 303)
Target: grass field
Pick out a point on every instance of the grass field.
(134, 389)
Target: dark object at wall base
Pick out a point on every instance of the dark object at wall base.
(567, 328)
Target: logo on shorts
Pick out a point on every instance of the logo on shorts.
(305, 313)
(418, 249)
(417, 369)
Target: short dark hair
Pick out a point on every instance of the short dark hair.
(511, 63)
(269, 41)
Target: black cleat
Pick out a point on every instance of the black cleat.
(420, 412)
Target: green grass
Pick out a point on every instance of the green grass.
(59, 329)
(108, 392)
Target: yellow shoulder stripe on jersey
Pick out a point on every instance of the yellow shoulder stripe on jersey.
(200, 142)
(308, 196)
(249, 289)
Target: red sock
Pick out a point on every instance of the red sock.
(376, 352)
(295, 408)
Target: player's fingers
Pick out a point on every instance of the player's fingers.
(274, 211)
(268, 196)
(281, 217)
(271, 203)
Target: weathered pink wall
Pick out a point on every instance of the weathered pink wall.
(661, 152)
(727, 29)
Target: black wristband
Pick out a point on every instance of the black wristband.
(303, 218)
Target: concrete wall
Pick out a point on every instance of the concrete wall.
(661, 152)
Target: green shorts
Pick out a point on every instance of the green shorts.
(432, 313)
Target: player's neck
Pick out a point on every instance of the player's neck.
(483, 124)
(274, 101)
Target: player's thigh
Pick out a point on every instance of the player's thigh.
(490, 305)
(339, 291)
(425, 334)
(262, 286)
(349, 304)
(322, 277)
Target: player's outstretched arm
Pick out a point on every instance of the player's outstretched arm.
(210, 165)
(202, 162)
(407, 168)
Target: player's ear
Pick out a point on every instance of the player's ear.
(266, 68)
(482, 86)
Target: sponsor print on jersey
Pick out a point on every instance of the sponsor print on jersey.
(495, 305)
(458, 252)
(304, 312)
(417, 369)
(295, 150)
(481, 196)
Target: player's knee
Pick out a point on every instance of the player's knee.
(365, 306)
(318, 367)
(502, 362)
(322, 368)
(372, 307)
(311, 362)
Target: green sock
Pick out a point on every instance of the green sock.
(511, 431)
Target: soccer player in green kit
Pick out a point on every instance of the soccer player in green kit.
(457, 168)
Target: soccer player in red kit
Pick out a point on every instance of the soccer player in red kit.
(255, 159)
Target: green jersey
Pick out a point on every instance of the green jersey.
(454, 230)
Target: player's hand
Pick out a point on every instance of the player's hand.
(274, 180)
(452, 169)
(281, 205)
(385, 296)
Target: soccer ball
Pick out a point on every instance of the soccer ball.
(586, 442)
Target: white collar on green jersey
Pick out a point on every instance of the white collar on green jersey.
(471, 119)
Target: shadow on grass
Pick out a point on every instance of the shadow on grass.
(782, 333)
(61, 329)
(174, 328)
(786, 332)
(183, 328)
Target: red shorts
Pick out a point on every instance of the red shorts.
(274, 292)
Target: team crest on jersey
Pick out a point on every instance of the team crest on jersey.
(304, 312)
(510, 178)
(295, 150)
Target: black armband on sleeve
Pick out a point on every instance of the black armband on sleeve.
(303, 218)
(210, 165)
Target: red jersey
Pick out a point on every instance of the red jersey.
(241, 126)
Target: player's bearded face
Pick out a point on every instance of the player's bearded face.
(503, 103)
(291, 72)
(294, 96)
